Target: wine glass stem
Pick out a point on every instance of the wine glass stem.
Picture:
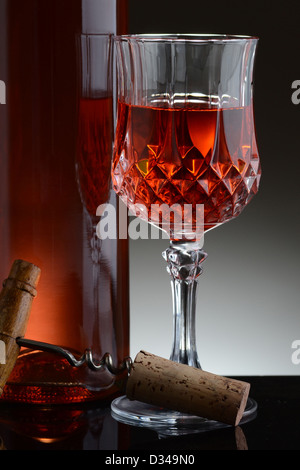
(184, 266)
(184, 308)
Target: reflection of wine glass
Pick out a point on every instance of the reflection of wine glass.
(95, 120)
(93, 173)
(185, 136)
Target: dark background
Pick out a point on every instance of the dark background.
(248, 308)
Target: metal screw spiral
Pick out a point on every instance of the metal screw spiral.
(86, 358)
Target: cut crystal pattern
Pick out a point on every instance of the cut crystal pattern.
(187, 156)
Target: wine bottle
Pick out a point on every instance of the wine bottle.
(83, 297)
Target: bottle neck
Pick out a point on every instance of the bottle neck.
(99, 16)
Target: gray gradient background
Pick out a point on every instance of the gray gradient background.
(249, 293)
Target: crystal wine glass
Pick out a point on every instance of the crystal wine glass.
(185, 139)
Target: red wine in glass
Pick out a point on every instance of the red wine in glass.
(190, 154)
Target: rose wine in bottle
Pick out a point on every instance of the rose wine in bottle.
(54, 172)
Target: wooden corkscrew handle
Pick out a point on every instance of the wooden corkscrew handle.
(16, 298)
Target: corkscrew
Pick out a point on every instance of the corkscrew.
(86, 358)
(17, 295)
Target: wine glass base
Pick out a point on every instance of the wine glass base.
(167, 422)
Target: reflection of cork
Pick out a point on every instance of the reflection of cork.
(241, 442)
(16, 297)
(2, 444)
(179, 387)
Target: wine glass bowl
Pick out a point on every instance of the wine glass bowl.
(195, 143)
(184, 140)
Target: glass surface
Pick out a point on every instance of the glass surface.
(185, 139)
(166, 422)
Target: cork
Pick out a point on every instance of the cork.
(16, 298)
(179, 387)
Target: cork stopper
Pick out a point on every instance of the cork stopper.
(16, 298)
(25, 276)
(161, 382)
